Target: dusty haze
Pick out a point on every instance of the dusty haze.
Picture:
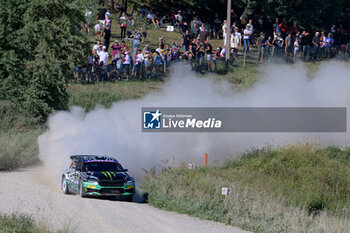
(117, 131)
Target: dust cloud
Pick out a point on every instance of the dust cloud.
(116, 131)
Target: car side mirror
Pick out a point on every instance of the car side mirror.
(125, 170)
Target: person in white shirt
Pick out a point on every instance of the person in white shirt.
(103, 56)
(97, 46)
(224, 28)
(239, 35)
(139, 58)
(296, 47)
(235, 41)
(108, 16)
(246, 39)
(251, 29)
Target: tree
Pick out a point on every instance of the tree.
(40, 43)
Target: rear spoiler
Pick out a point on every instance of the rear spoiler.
(90, 157)
(84, 156)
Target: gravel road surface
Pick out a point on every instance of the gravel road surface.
(24, 191)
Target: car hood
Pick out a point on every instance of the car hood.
(108, 175)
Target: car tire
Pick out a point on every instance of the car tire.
(128, 198)
(81, 189)
(64, 186)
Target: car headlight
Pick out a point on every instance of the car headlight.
(90, 180)
(130, 179)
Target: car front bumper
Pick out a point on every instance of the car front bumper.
(94, 189)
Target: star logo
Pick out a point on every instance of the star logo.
(156, 115)
(152, 119)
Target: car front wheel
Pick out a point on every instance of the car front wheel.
(64, 186)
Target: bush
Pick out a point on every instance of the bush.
(23, 223)
(18, 149)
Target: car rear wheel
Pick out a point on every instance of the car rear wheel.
(81, 189)
(64, 186)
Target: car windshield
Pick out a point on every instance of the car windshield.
(103, 166)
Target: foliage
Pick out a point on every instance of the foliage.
(39, 44)
(309, 14)
(139, 22)
(18, 149)
(288, 189)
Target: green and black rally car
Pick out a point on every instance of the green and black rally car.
(91, 175)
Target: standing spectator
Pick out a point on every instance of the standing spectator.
(97, 28)
(329, 44)
(279, 42)
(144, 34)
(216, 23)
(276, 28)
(107, 35)
(269, 48)
(224, 32)
(208, 50)
(246, 39)
(95, 61)
(322, 45)
(288, 45)
(123, 21)
(101, 16)
(108, 18)
(139, 59)
(333, 29)
(88, 17)
(137, 40)
(305, 45)
(295, 30)
(316, 45)
(126, 62)
(235, 42)
(118, 58)
(203, 35)
(261, 48)
(237, 33)
(186, 40)
(251, 29)
(103, 57)
(193, 50)
(296, 47)
(195, 30)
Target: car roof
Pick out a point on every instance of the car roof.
(93, 158)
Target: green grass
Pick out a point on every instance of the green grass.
(88, 96)
(25, 224)
(289, 189)
(19, 148)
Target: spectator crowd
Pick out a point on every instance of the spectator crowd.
(140, 62)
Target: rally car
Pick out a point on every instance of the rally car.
(91, 175)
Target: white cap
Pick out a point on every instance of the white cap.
(104, 47)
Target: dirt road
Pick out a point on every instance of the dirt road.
(22, 193)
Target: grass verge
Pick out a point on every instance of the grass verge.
(18, 149)
(25, 224)
(289, 189)
(88, 96)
